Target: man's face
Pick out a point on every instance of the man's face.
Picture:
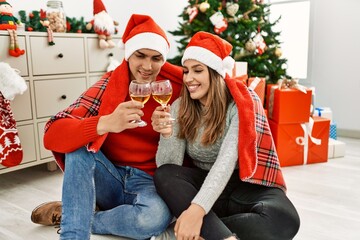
(145, 64)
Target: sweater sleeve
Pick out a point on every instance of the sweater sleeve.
(172, 149)
(222, 169)
(76, 126)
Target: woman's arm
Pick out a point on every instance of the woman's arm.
(222, 169)
(171, 149)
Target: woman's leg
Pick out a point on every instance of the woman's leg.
(261, 213)
(178, 185)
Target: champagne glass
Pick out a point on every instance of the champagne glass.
(140, 91)
(162, 92)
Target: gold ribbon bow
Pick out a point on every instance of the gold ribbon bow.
(291, 83)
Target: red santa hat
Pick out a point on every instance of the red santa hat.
(98, 6)
(4, 2)
(210, 50)
(142, 32)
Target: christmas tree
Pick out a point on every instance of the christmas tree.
(243, 23)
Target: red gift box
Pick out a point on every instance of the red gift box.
(301, 143)
(288, 105)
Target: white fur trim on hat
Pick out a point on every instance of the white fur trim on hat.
(148, 40)
(210, 59)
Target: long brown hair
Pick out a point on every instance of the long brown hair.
(213, 114)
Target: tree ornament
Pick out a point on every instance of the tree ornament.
(232, 8)
(204, 6)
(278, 52)
(250, 46)
(219, 22)
(260, 43)
(192, 12)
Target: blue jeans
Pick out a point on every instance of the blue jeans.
(128, 202)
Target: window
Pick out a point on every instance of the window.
(294, 37)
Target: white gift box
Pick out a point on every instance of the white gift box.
(336, 148)
(324, 112)
(240, 69)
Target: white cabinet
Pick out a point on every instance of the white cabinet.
(56, 75)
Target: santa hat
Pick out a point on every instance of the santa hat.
(142, 32)
(98, 6)
(4, 2)
(210, 50)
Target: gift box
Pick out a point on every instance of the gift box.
(336, 148)
(333, 131)
(288, 105)
(258, 85)
(240, 68)
(324, 112)
(301, 143)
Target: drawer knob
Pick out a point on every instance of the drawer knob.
(63, 96)
(111, 54)
(61, 55)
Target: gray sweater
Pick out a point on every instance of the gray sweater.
(220, 158)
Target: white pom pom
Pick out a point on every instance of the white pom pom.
(228, 64)
(121, 45)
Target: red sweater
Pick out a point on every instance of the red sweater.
(75, 126)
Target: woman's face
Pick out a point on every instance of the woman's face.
(196, 78)
(145, 65)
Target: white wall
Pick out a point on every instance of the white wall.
(334, 60)
(164, 12)
(334, 46)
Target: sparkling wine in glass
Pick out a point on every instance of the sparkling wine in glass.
(140, 91)
(162, 92)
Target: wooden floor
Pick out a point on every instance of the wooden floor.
(327, 196)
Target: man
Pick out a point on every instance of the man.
(108, 161)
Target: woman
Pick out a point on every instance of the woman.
(234, 186)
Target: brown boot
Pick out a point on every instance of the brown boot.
(48, 214)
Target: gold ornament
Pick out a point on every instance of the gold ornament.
(278, 52)
(250, 46)
(204, 6)
(232, 8)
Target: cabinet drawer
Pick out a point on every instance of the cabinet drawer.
(21, 106)
(94, 79)
(99, 58)
(27, 141)
(66, 56)
(20, 63)
(52, 96)
(44, 153)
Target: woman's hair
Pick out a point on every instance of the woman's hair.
(212, 116)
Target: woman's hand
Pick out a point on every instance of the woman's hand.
(121, 118)
(161, 121)
(188, 224)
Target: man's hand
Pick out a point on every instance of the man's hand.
(121, 118)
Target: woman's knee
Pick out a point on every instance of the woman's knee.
(163, 174)
(284, 218)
